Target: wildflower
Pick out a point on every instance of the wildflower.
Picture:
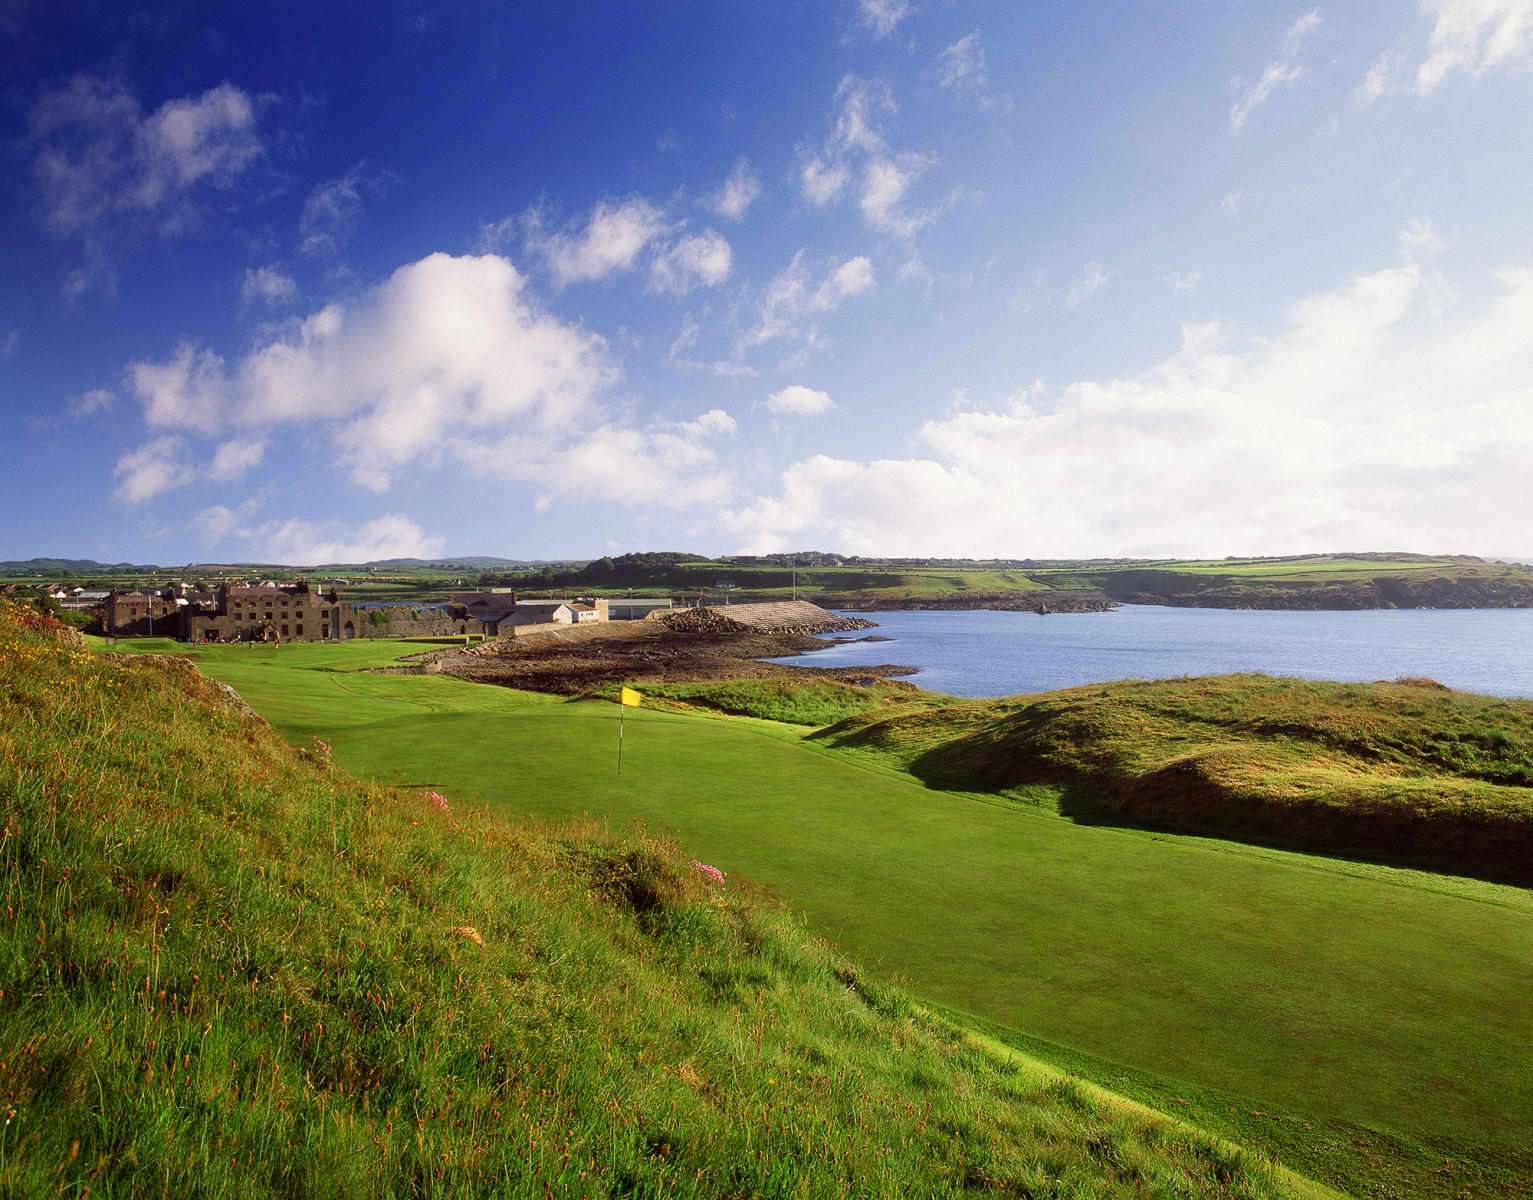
(712, 873)
(440, 801)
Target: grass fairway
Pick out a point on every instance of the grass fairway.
(1385, 997)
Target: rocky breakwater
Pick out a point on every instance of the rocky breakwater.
(787, 616)
(681, 645)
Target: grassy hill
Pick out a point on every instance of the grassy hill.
(229, 969)
(1407, 773)
(1367, 1024)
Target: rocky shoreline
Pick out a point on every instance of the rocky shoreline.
(713, 644)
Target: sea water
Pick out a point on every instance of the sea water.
(1009, 653)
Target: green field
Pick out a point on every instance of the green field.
(1326, 991)
(229, 970)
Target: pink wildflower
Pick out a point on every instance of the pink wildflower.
(321, 748)
(439, 800)
(712, 873)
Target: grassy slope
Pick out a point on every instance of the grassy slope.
(1244, 973)
(1407, 773)
(226, 969)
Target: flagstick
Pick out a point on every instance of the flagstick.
(621, 709)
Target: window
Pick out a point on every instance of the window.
(300, 631)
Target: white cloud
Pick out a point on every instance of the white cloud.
(1419, 240)
(446, 351)
(188, 392)
(1380, 78)
(1183, 282)
(331, 214)
(790, 298)
(298, 542)
(738, 192)
(212, 525)
(800, 401)
(235, 457)
(852, 277)
(963, 65)
(856, 146)
(701, 259)
(1375, 418)
(612, 240)
(885, 183)
(446, 363)
(822, 181)
(1278, 74)
(268, 286)
(617, 238)
(1092, 276)
(159, 466)
(1475, 36)
(88, 404)
(882, 16)
(665, 465)
(105, 170)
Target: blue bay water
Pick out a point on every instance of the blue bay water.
(1008, 653)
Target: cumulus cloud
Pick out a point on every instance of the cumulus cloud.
(1278, 74)
(701, 259)
(737, 193)
(159, 466)
(620, 237)
(105, 170)
(1475, 36)
(668, 465)
(447, 363)
(1373, 418)
(88, 404)
(267, 285)
(446, 350)
(331, 214)
(793, 298)
(213, 524)
(961, 68)
(799, 401)
(612, 240)
(882, 17)
(856, 149)
(1469, 37)
(235, 457)
(188, 391)
(297, 542)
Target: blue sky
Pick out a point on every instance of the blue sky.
(305, 283)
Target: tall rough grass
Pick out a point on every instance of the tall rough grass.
(227, 969)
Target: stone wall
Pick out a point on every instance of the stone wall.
(410, 621)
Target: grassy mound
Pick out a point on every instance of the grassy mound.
(1407, 773)
(228, 969)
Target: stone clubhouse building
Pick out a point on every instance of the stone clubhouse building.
(234, 613)
(301, 613)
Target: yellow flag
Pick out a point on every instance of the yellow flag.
(631, 698)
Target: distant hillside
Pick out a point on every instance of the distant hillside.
(226, 969)
(67, 566)
(1316, 581)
